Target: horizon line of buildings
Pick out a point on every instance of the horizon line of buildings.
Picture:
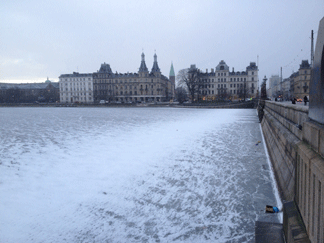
(295, 86)
(142, 86)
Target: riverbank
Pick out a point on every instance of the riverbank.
(234, 105)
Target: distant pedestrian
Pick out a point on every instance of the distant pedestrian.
(276, 99)
(305, 100)
(293, 100)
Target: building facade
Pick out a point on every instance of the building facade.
(222, 83)
(76, 88)
(301, 82)
(143, 86)
(296, 86)
(285, 88)
(274, 86)
(29, 92)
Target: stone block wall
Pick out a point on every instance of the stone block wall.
(295, 146)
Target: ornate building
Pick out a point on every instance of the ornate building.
(76, 88)
(225, 84)
(143, 86)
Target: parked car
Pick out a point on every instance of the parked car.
(102, 102)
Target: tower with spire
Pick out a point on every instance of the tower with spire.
(172, 75)
(155, 69)
(143, 71)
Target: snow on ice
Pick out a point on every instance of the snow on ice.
(132, 175)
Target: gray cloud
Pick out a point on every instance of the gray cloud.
(48, 38)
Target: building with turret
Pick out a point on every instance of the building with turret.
(143, 86)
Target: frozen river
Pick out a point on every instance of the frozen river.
(132, 175)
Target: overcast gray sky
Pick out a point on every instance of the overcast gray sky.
(46, 38)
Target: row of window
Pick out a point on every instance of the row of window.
(76, 79)
(227, 74)
(211, 92)
(224, 85)
(81, 99)
(75, 89)
(124, 87)
(78, 94)
(75, 84)
(224, 80)
(112, 81)
(127, 92)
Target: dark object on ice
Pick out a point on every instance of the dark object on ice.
(271, 209)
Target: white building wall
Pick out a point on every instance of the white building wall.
(76, 88)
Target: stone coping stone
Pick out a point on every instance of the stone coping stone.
(267, 232)
(291, 106)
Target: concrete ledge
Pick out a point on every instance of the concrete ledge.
(294, 227)
(266, 232)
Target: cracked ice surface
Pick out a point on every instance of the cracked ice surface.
(132, 175)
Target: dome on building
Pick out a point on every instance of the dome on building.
(47, 81)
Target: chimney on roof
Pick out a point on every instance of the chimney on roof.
(206, 70)
(233, 70)
(212, 70)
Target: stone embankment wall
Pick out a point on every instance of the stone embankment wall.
(296, 150)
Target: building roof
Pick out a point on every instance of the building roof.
(304, 65)
(252, 66)
(222, 66)
(105, 68)
(75, 75)
(143, 67)
(155, 68)
(293, 75)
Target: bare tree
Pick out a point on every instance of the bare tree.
(243, 91)
(181, 94)
(189, 78)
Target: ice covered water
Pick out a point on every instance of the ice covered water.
(132, 175)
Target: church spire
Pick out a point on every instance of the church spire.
(171, 71)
